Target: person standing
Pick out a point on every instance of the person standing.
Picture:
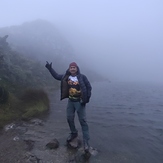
(76, 87)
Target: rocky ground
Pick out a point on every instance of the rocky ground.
(29, 143)
(11, 150)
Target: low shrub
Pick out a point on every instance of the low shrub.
(32, 103)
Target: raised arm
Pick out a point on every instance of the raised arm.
(53, 72)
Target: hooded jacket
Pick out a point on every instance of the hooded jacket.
(85, 85)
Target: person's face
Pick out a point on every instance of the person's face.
(73, 70)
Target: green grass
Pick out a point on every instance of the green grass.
(32, 103)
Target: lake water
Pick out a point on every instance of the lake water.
(125, 121)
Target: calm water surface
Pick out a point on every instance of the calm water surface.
(125, 121)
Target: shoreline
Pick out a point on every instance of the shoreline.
(26, 141)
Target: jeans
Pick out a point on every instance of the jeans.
(81, 111)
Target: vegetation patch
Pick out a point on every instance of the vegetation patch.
(9, 110)
(31, 103)
(18, 72)
(34, 102)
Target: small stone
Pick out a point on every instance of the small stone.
(16, 138)
(30, 144)
(37, 122)
(53, 144)
(10, 126)
(76, 143)
(31, 158)
(93, 151)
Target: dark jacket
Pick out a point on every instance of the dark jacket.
(85, 85)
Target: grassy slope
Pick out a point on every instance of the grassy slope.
(21, 86)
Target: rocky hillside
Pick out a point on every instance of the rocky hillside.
(18, 72)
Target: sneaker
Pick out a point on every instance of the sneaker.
(71, 137)
(86, 146)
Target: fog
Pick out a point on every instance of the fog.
(122, 40)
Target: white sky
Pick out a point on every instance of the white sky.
(123, 39)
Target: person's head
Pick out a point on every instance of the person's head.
(73, 68)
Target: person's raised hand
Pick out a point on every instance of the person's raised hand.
(48, 65)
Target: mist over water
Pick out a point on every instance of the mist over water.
(119, 39)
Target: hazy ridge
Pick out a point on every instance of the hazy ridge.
(25, 50)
